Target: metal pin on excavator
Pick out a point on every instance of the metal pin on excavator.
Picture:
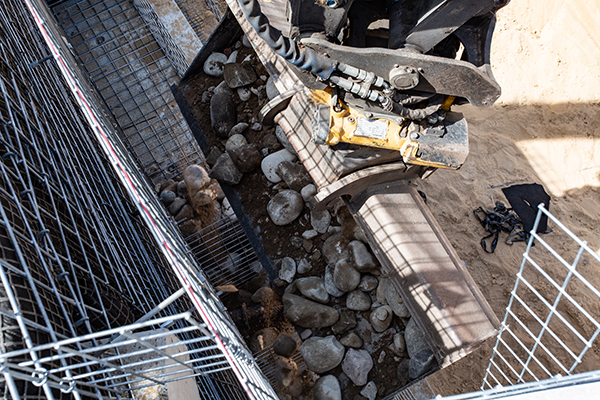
(366, 95)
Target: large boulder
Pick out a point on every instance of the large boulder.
(308, 314)
(322, 354)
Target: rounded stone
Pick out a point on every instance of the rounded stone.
(234, 142)
(320, 220)
(285, 207)
(288, 269)
(214, 64)
(345, 277)
(270, 163)
(284, 345)
(381, 318)
(322, 354)
(195, 177)
(167, 197)
(358, 300)
(222, 113)
(327, 388)
(357, 365)
(308, 314)
(352, 340)
(243, 93)
(308, 192)
(238, 129)
(368, 283)
(313, 288)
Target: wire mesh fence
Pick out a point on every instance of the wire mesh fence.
(99, 296)
(552, 319)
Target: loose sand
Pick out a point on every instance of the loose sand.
(544, 129)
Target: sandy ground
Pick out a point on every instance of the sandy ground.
(544, 129)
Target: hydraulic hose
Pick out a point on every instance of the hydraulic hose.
(305, 59)
(418, 113)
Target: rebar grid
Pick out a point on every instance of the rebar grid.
(79, 260)
(133, 75)
(552, 318)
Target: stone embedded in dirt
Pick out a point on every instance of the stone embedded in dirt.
(307, 244)
(225, 170)
(368, 283)
(238, 129)
(320, 220)
(283, 139)
(322, 354)
(257, 127)
(223, 88)
(328, 281)
(270, 142)
(202, 198)
(214, 64)
(296, 241)
(381, 358)
(345, 277)
(262, 339)
(381, 318)
(235, 141)
(288, 269)
(335, 248)
(232, 57)
(309, 234)
(176, 205)
(271, 89)
(308, 192)
(213, 156)
(237, 75)
(352, 340)
(414, 338)
(308, 314)
(246, 157)
(356, 365)
(327, 388)
(361, 258)
(369, 391)
(420, 363)
(261, 280)
(285, 207)
(398, 346)
(206, 95)
(182, 189)
(167, 197)
(392, 298)
(264, 295)
(244, 94)
(270, 163)
(358, 300)
(222, 114)
(294, 175)
(284, 345)
(195, 177)
(313, 289)
(186, 212)
(190, 227)
(346, 322)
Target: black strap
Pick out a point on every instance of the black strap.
(500, 219)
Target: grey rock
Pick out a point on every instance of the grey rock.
(232, 57)
(320, 220)
(420, 363)
(213, 156)
(271, 88)
(308, 192)
(223, 88)
(238, 129)
(285, 207)
(307, 244)
(296, 241)
(294, 175)
(327, 388)
(283, 139)
(202, 198)
(304, 266)
(322, 354)
(263, 339)
(214, 64)
(222, 113)
(235, 141)
(270, 163)
(257, 127)
(270, 142)
(206, 95)
(237, 75)
(368, 283)
(305, 334)
(246, 42)
(398, 346)
(284, 345)
(186, 212)
(356, 365)
(402, 371)
(313, 288)
(358, 300)
(393, 299)
(176, 205)
(195, 178)
(328, 281)
(335, 248)
(310, 234)
(182, 189)
(225, 170)
(263, 295)
(167, 197)
(381, 318)
(346, 322)
(361, 258)
(243, 93)
(246, 157)
(369, 391)
(288, 269)
(415, 340)
(352, 340)
(308, 314)
(345, 277)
